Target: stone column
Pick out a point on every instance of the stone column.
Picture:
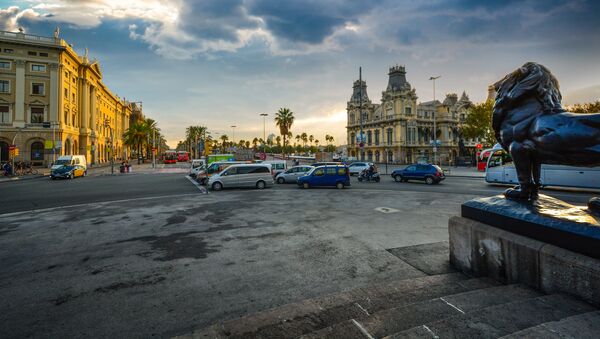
(84, 109)
(20, 94)
(54, 86)
(93, 106)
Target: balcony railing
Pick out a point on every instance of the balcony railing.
(30, 37)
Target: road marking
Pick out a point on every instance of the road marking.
(430, 331)
(454, 307)
(198, 186)
(97, 202)
(362, 329)
(386, 210)
(362, 309)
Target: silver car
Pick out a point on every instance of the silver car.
(356, 167)
(291, 175)
(245, 175)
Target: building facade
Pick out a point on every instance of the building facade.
(49, 92)
(398, 130)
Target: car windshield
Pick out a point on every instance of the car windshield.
(437, 168)
(63, 162)
(311, 171)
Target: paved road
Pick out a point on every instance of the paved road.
(160, 258)
(45, 193)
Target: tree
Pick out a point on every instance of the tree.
(136, 136)
(298, 138)
(304, 138)
(478, 123)
(254, 143)
(329, 138)
(284, 119)
(224, 139)
(192, 135)
(591, 107)
(278, 140)
(311, 138)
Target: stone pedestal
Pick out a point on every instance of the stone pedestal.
(492, 247)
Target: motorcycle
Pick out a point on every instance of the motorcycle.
(364, 176)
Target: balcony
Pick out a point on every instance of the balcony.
(25, 38)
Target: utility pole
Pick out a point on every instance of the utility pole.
(435, 145)
(264, 115)
(362, 142)
(233, 134)
(153, 148)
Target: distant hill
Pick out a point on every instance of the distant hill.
(582, 95)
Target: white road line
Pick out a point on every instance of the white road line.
(430, 331)
(362, 329)
(449, 304)
(198, 186)
(362, 309)
(98, 202)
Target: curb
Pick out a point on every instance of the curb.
(13, 179)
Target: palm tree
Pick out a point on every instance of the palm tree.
(248, 144)
(311, 138)
(304, 138)
(135, 136)
(298, 138)
(278, 140)
(317, 142)
(254, 142)
(284, 119)
(224, 139)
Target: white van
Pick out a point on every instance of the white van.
(197, 166)
(70, 160)
(278, 166)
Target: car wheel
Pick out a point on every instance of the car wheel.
(85, 173)
(339, 185)
(217, 186)
(280, 180)
(261, 185)
(71, 176)
(305, 185)
(398, 178)
(429, 181)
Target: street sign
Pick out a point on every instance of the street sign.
(46, 124)
(48, 144)
(12, 147)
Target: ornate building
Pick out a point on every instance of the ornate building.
(401, 131)
(49, 92)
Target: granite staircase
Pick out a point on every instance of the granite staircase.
(446, 305)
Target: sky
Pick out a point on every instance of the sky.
(221, 63)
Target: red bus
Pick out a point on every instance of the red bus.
(183, 156)
(170, 157)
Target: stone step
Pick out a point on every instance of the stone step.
(402, 318)
(583, 326)
(306, 316)
(500, 320)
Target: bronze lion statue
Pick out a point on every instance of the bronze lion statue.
(531, 124)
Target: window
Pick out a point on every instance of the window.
(66, 117)
(407, 110)
(37, 88)
(352, 137)
(66, 93)
(369, 137)
(43, 54)
(37, 115)
(231, 171)
(389, 136)
(4, 86)
(38, 68)
(73, 97)
(411, 168)
(8, 51)
(377, 137)
(4, 114)
(37, 151)
(31, 53)
(342, 170)
(319, 172)
(259, 169)
(5, 64)
(331, 170)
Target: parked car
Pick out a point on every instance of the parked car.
(330, 175)
(277, 166)
(292, 174)
(196, 166)
(357, 167)
(431, 174)
(68, 172)
(216, 167)
(244, 175)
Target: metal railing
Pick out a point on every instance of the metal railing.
(30, 37)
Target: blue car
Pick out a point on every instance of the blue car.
(330, 175)
(431, 174)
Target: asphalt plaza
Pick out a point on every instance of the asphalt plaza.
(160, 258)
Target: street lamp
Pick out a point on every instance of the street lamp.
(434, 124)
(112, 146)
(233, 134)
(264, 115)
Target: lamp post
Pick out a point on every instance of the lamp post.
(233, 134)
(264, 115)
(361, 143)
(434, 124)
(112, 146)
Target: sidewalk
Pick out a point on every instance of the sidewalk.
(45, 172)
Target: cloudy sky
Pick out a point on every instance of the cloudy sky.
(223, 62)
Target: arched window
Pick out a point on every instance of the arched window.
(37, 151)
